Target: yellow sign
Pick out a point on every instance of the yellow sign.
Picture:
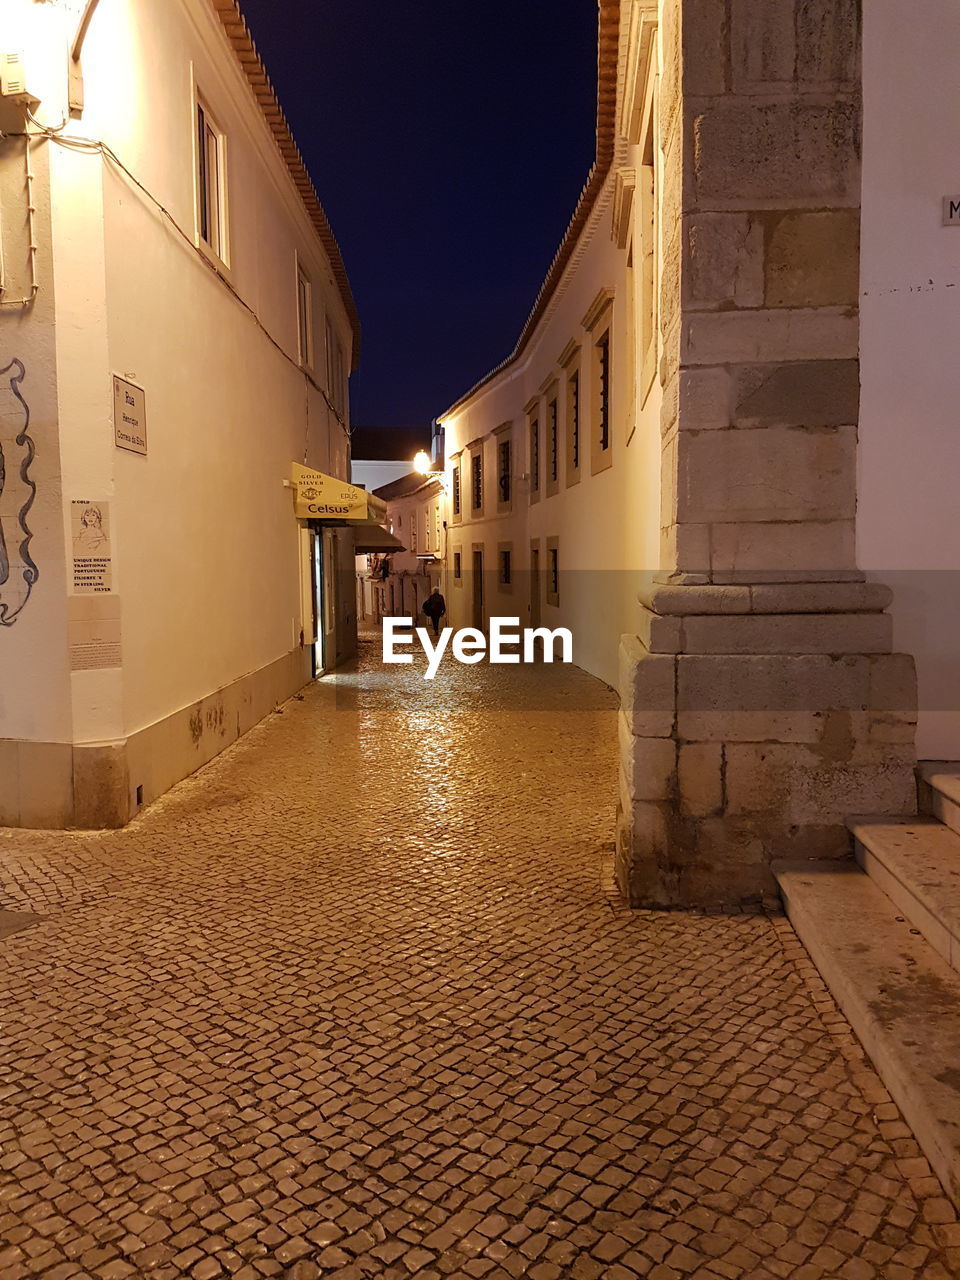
(320, 497)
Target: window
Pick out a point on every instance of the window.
(304, 318)
(649, 258)
(630, 343)
(505, 568)
(553, 442)
(457, 567)
(573, 412)
(503, 462)
(603, 390)
(456, 489)
(210, 183)
(598, 324)
(413, 530)
(534, 457)
(476, 476)
(336, 383)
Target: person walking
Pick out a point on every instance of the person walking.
(435, 607)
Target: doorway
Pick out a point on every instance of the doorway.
(478, 589)
(534, 586)
(318, 574)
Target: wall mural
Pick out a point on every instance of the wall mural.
(18, 571)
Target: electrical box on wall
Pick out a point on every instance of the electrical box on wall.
(13, 79)
(15, 98)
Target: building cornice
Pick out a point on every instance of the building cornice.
(238, 34)
(597, 309)
(608, 44)
(569, 353)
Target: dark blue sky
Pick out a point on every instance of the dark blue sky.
(448, 141)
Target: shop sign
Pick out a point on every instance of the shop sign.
(321, 497)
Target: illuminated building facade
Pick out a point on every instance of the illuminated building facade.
(176, 329)
(675, 462)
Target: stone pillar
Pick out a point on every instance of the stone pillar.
(761, 701)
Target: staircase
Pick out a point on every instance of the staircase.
(885, 934)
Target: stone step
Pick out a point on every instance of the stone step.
(901, 998)
(940, 792)
(916, 862)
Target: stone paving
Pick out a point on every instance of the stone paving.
(357, 1001)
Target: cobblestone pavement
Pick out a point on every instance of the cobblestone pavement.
(354, 1001)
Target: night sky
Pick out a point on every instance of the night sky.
(448, 141)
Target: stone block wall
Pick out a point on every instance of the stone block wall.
(761, 701)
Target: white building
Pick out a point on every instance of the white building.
(384, 454)
(402, 578)
(673, 460)
(181, 334)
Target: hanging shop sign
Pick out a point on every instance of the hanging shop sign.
(321, 497)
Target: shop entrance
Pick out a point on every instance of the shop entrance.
(324, 601)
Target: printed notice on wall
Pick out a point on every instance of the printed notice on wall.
(129, 416)
(94, 631)
(92, 557)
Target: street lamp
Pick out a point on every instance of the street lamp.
(422, 462)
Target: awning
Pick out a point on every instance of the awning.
(370, 539)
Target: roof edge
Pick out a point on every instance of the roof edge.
(608, 43)
(251, 64)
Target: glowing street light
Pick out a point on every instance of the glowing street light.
(422, 462)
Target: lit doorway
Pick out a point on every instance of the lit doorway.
(319, 647)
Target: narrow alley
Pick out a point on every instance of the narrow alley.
(357, 1000)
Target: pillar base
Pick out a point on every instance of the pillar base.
(748, 738)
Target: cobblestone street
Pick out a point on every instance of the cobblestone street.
(356, 1000)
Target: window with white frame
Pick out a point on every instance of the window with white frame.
(553, 443)
(336, 381)
(211, 211)
(304, 318)
(573, 419)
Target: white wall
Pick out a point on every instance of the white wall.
(908, 530)
(372, 474)
(207, 552)
(34, 676)
(608, 523)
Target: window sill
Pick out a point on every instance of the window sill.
(602, 461)
(219, 265)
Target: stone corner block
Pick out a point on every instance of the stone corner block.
(101, 786)
(648, 764)
(813, 259)
(700, 779)
(647, 689)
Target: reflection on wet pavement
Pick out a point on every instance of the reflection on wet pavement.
(355, 1001)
